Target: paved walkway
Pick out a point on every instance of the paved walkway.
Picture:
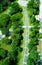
(26, 37)
(26, 26)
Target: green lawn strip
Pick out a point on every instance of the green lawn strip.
(30, 24)
(21, 54)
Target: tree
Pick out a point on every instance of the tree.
(5, 23)
(34, 32)
(3, 53)
(13, 55)
(4, 4)
(12, 0)
(16, 17)
(30, 4)
(1, 9)
(6, 41)
(4, 19)
(33, 9)
(16, 7)
(32, 58)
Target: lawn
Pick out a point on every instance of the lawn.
(21, 54)
(5, 46)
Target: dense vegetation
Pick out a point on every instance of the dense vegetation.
(4, 4)
(10, 18)
(33, 9)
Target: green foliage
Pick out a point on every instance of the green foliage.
(2, 53)
(32, 47)
(40, 35)
(33, 9)
(13, 53)
(4, 4)
(16, 7)
(34, 41)
(5, 23)
(4, 20)
(32, 58)
(30, 4)
(34, 21)
(6, 61)
(16, 36)
(12, 0)
(12, 17)
(1, 8)
(6, 41)
(16, 17)
(5, 31)
(34, 32)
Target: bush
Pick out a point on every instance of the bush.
(4, 20)
(3, 53)
(16, 8)
(34, 6)
(16, 17)
(32, 58)
(13, 54)
(34, 41)
(34, 32)
(33, 9)
(5, 31)
(32, 47)
(5, 23)
(30, 4)
(6, 61)
(40, 35)
(32, 20)
(6, 41)
(1, 9)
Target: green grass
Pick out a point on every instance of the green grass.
(6, 46)
(28, 12)
(21, 54)
(40, 36)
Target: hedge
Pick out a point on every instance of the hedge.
(33, 9)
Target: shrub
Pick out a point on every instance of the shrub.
(16, 17)
(3, 53)
(5, 23)
(40, 35)
(33, 9)
(34, 32)
(1, 9)
(6, 41)
(6, 61)
(5, 31)
(4, 19)
(32, 58)
(16, 7)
